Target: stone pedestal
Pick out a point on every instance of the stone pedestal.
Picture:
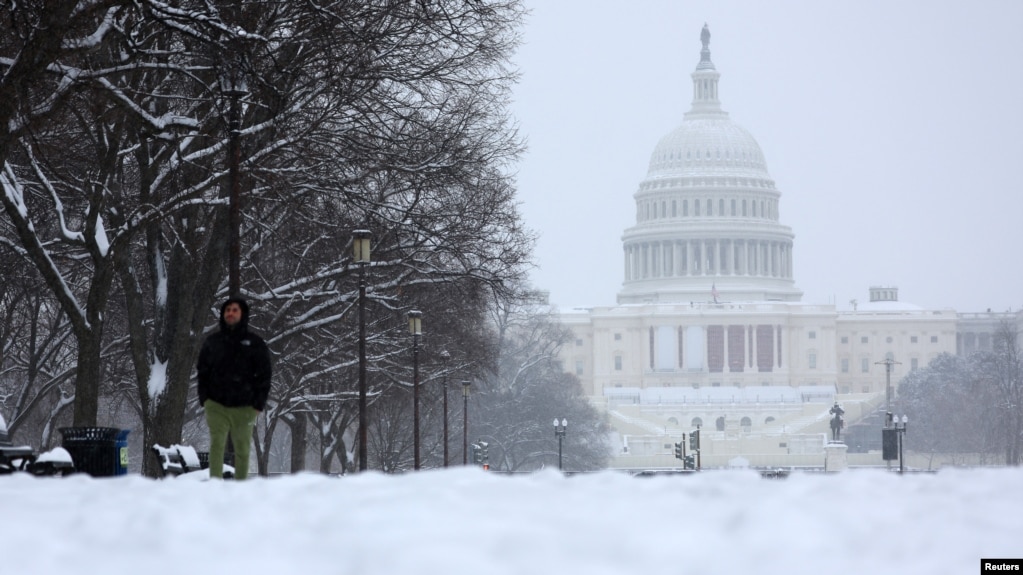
(834, 457)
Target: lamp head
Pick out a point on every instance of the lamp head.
(415, 322)
(361, 246)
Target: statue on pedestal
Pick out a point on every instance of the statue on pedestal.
(837, 423)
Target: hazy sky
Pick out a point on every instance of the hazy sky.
(894, 131)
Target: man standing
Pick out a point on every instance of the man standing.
(234, 382)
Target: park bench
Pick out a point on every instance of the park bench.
(181, 459)
(24, 458)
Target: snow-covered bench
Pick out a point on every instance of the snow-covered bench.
(183, 459)
(24, 458)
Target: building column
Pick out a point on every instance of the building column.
(788, 251)
(676, 259)
(646, 260)
(775, 348)
(706, 350)
(701, 262)
(627, 271)
(726, 368)
(753, 350)
(783, 344)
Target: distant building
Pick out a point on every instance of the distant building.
(709, 327)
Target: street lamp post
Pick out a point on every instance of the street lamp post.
(445, 357)
(901, 430)
(888, 363)
(361, 256)
(465, 421)
(559, 432)
(415, 327)
(233, 85)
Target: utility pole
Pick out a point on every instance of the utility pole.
(888, 363)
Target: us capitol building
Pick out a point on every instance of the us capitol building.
(709, 329)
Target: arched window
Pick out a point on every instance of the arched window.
(710, 207)
(721, 207)
(769, 419)
(747, 424)
(674, 208)
(697, 422)
(720, 423)
(685, 207)
(673, 421)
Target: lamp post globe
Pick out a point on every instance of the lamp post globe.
(559, 431)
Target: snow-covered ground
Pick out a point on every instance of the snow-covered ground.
(464, 521)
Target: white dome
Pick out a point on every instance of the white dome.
(708, 146)
(707, 213)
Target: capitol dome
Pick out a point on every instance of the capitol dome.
(707, 218)
(708, 146)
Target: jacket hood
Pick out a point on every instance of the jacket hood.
(244, 323)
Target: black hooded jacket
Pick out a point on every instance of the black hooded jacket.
(234, 364)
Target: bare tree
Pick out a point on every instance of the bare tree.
(969, 407)
(530, 389)
(1000, 371)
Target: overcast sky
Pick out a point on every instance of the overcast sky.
(894, 131)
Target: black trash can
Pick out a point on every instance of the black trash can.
(94, 450)
(122, 452)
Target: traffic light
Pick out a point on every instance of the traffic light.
(477, 454)
(694, 440)
(678, 450)
(485, 451)
(689, 462)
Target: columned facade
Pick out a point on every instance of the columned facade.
(682, 258)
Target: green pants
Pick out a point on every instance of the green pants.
(239, 421)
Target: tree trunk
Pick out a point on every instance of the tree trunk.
(87, 375)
